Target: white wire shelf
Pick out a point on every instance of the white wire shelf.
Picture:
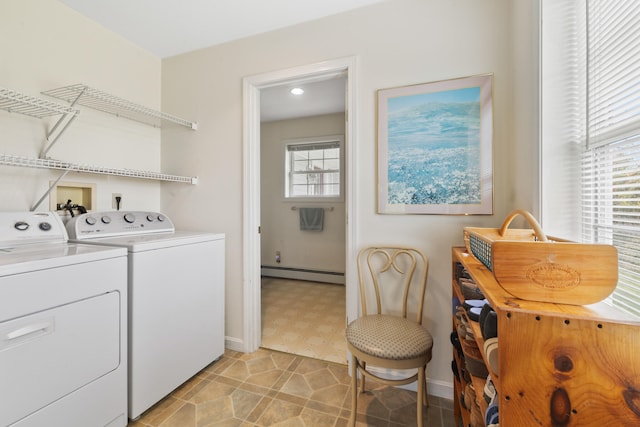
(16, 102)
(22, 161)
(101, 101)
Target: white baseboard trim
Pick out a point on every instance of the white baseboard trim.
(235, 344)
(434, 387)
(302, 274)
(440, 388)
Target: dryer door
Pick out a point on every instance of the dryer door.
(49, 354)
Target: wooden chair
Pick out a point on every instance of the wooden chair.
(389, 339)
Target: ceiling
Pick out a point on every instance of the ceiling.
(320, 97)
(169, 27)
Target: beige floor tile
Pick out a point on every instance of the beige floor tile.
(212, 391)
(183, 417)
(297, 386)
(332, 396)
(315, 418)
(215, 411)
(238, 371)
(279, 411)
(265, 379)
(285, 390)
(304, 318)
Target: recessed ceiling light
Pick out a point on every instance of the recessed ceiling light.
(297, 91)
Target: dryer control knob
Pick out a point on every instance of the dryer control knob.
(106, 220)
(44, 226)
(21, 225)
(150, 218)
(160, 218)
(130, 218)
(90, 220)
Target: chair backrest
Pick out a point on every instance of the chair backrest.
(387, 271)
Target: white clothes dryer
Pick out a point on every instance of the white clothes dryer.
(63, 319)
(176, 298)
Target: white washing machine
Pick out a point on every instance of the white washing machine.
(63, 323)
(176, 298)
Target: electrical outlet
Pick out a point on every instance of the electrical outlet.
(114, 201)
(278, 257)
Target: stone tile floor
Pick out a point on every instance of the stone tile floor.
(269, 388)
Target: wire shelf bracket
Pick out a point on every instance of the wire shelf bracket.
(16, 102)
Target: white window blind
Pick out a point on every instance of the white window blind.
(611, 159)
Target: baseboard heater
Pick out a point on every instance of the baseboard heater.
(303, 274)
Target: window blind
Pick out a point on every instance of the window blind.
(313, 146)
(611, 160)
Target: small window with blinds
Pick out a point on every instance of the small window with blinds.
(611, 160)
(313, 169)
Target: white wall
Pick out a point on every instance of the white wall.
(45, 45)
(398, 42)
(524, 121)
(280, 226)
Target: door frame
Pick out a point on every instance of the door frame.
(252, 324)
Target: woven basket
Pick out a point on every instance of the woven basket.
(532, 266)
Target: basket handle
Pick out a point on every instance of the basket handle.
(532, 221)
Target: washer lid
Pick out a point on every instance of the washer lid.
(147, 242)
(25, 258)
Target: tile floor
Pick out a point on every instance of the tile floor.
(304, 318)
(270, 388)
(301, 379)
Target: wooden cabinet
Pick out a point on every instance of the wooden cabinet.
(559, 365)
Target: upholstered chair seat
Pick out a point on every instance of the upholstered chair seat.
(389, 337)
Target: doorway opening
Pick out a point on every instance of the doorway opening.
(302, 217)
(252, 87)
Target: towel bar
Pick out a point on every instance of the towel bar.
(330, 209)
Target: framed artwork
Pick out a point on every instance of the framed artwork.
(435, 148)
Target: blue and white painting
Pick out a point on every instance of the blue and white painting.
(434, 148)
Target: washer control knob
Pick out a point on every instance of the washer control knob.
(44, 226)
(130, 218)
(21, 225)
(90, 220)
(150, 218)
(106, 220)
(160, 218)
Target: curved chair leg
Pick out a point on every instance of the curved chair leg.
(364, 366)
(421, 395)
(426, 391)
(354, 391)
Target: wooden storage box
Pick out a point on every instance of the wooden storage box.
(531, 266)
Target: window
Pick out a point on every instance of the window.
(602, 80)
(313, 168)
(611, 160)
